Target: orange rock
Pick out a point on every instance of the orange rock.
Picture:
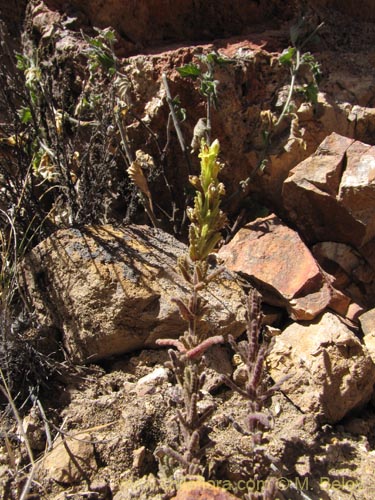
(277, 261)
(200, 490)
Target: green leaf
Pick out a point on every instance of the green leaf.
(214, 58)
(287, 55)
(179, 110)
(311, 92)
(109, 35)
(189, 70)
(25, 114)
(308, 58)
(208, 88)
(22, 62)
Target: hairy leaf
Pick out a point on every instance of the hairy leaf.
(190, 70)
(287, 55)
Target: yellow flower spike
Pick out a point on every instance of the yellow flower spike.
(206, 217)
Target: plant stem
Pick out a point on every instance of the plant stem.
(124, 141)
(293, 71)
(208, 121)
(176, 122)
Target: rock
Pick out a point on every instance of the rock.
(154, 22)
(34, 429)
(330, 195)
(109, 290)
(156, 377)
(217, 363)
(101, 488)
(146, 486)
(148, 383)
(70, 460)
(193, 490)
(330, 371)
(351, 271)
(343, 262)
(357, 188)
(367, 321)
(364, 120)
(277, 262)
(369, 341)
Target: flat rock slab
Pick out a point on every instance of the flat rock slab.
(108, 291)
(331, 373)
(276, 260)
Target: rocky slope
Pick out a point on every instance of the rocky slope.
(301, 230)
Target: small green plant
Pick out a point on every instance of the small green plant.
(295, 60)
(204, 74)
(186, 362)
(101, 54)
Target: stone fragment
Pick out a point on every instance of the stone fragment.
(330, 196)
(193, 490)
(278, 263)
(156, 377)
(357, 187)
(364, 121)
(330, 371)
(354, 311)
(110, 291)
(369, 341)
(34, 430)
(148, 383)
(367, 321)
(70, 460)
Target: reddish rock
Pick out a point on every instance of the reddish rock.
(330, 195)
(331, 373)
(277, 261)
(200, 490)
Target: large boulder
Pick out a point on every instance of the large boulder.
(330, 372)
(276, 260)
(330, 196)
(109, 291)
